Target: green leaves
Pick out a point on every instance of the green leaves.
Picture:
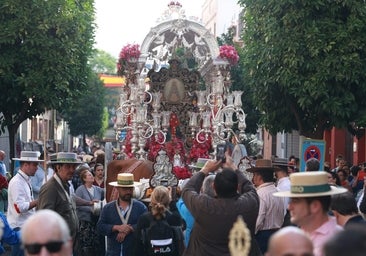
(305, 62)
(44, 48)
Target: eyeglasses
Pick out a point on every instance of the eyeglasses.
(52, 247)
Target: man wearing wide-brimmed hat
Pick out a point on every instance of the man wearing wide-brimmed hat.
(55, 193)
(271, 209)
(310, 198)
(118, 219)
(21, 203)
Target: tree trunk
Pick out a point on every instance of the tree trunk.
(12, 131)
(84, 144)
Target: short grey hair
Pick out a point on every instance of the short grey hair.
(207, 186)
(312, 165)
(50, 218)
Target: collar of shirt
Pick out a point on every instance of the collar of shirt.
(266, 184)
(327, 226)
(24, 175)
(65, 184)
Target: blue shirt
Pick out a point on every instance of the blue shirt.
(187, 217)
(9, 235)
(2, 169)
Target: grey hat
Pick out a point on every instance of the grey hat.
(64, 158)
(29, 156)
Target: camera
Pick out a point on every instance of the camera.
(220, 153)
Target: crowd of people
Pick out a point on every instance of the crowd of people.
(286, 211)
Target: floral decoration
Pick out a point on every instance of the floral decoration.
(200, 150)
(128, 53)
(229, 52)
(154, 146)
(182, 172)
(128, 145)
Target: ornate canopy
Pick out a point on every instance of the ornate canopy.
(179, 37)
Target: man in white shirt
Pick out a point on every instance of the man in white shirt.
(21, 203)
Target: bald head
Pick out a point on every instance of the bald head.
(2, 155)
(290, 241)
(47, 226)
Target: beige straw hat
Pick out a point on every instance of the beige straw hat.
(310, 184)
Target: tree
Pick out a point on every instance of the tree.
(305, 62)
(103, 62)
(85, 114)
(44, 46)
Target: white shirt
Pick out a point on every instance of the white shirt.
(271, 214)
(49, 175)
(284, 184)
(19, 194)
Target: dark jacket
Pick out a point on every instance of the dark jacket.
(355, 220)
(144, 222)
(214, 217)
(52, 196)
(110, 217)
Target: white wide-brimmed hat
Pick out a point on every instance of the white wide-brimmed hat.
(125, 180)
(29, 156)
(64, 158)
(310, 184)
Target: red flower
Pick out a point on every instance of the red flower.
(200, 150)
(182, 172)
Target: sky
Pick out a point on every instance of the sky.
(120, 22)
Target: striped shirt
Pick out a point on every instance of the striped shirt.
(271, 209)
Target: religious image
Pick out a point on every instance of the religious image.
(174, 91)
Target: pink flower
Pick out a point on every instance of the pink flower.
(128, 52)
(229, 52)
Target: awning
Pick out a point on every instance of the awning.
(112, 80)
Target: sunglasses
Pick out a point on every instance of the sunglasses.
(52, 247)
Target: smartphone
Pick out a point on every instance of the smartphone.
(220, 153)
(164, 182)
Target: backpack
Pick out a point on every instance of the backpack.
(160, 238)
